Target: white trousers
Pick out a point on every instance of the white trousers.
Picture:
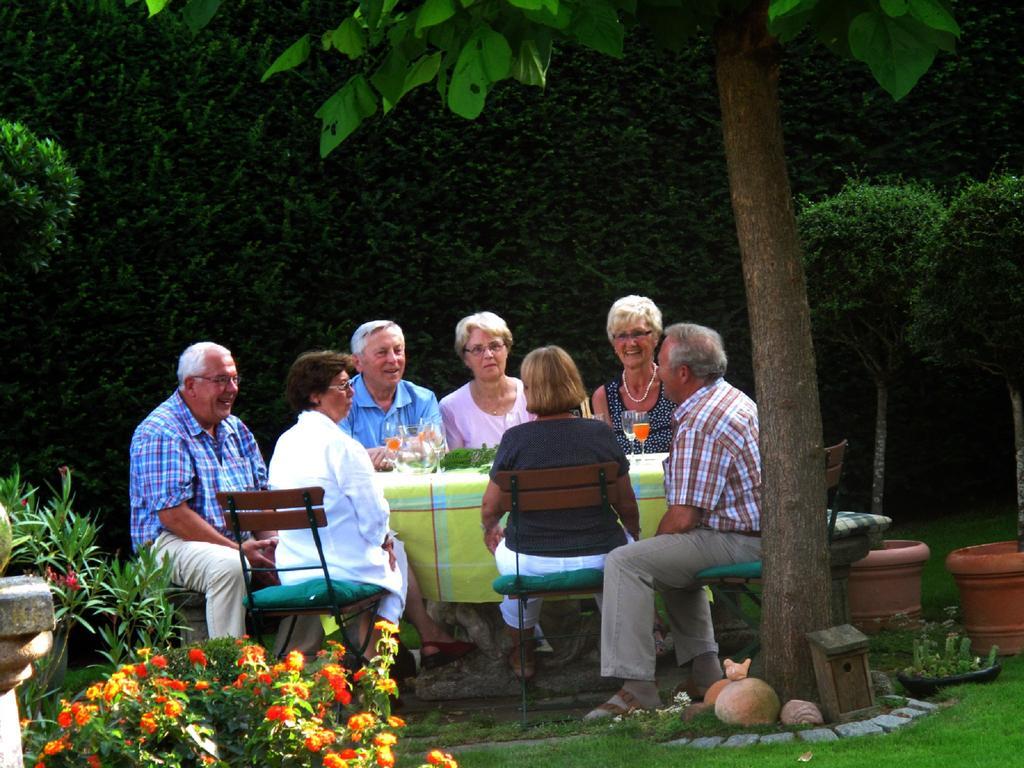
(214, 570)
(307, 635)
(536, 565)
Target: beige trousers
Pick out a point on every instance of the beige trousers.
(668, 565)
(215, 571)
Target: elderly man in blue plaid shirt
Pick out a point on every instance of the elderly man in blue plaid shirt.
(713, 492)
(183, 453)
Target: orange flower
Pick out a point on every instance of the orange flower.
(387, 685)
(348, 754)
(385, 626)
(396, 722)
(143, 653)
(299, 690)
(251, 654)
(53, 747)
(93, 692)
(173, 708)
(208, 760)
(141, 671)
(437, 757)
(385, 739)
(148, 722)
(361, 721)
(319, 739)
(94, 761)
(160, 662)
(64, 719)
(201, 685)
(385, 757)
(196, 656)
(334, 760)
(283, 714)
(295, 661)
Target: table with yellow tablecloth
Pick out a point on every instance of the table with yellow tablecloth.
(437, 517)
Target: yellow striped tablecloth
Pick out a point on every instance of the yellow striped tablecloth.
(437, 517)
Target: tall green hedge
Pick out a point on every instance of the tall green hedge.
(207, 213)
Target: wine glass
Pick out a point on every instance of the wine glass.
(635, 427)
(390, 436)
(432, 435)
(415, 454)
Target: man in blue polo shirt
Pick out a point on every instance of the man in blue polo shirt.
(379, 393)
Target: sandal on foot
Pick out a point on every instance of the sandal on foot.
(611, 709)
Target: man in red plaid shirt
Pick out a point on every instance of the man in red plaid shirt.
(713, 492)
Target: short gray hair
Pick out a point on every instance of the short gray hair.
(699, 348)
(488, 322)
(364, 331)
(633, 309)
(193, 360)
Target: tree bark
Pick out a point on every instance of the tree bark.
(881, 436)
(1018, 444)
(795, 555)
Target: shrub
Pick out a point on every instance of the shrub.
(38, 190)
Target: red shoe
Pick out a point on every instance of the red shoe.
(446, 652)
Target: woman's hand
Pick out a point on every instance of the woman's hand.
(389, 547)
(493, 537)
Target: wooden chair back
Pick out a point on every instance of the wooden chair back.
(285, 510)
(542, 490)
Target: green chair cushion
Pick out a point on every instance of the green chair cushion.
(751, 570)
(584, 578)
(311, 594)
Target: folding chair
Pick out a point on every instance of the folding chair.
(731, 584)
(545, 491)
(289, 510)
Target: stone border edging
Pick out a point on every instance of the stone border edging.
(880, 724)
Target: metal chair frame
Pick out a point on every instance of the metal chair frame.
(291, 509)
(730, 591)
(550, 490)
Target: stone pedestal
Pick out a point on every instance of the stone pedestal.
(26, 624)
(574, 666)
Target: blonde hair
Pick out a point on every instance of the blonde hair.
(630, 310)
(488, 322)
(552, 381)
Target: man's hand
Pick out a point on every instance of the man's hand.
(389, 547)
(678, 518)
(380, 459)
(260, 554)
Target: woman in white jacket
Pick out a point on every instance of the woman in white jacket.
(357, 542)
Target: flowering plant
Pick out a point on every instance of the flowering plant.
(55, 542)
(248, 713)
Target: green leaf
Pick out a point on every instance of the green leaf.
(197, 13)
(597, 26)
(342, 113)
(349, 38)
(894, 8)
(779, 8)
(894, 49)
(155, 6)
(485, 58)
(297, 53)
(934, 14)
(530, 67)
(390, 77)
(535, 5)
(560, 18)
(434, 12)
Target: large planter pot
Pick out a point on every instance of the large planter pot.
(928, 686)
(990, 578)
(885, 586)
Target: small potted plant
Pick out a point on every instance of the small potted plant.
(948, 662)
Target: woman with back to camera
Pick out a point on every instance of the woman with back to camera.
(480, 411)
(634, 330)
(566, 539)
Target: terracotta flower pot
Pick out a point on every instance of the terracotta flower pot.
(990, 578)
(885, 586)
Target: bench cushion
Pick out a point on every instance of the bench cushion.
(751, 570)
(856, 523)
(312, 594)
(584, 578)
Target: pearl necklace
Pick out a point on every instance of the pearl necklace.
(647, 391)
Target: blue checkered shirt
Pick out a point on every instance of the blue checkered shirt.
(715, 461)
(174, 460)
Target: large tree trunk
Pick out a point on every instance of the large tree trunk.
(881, 437)
(1018, 444)
(796, 560)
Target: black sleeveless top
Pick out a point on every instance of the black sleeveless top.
(659, 417)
